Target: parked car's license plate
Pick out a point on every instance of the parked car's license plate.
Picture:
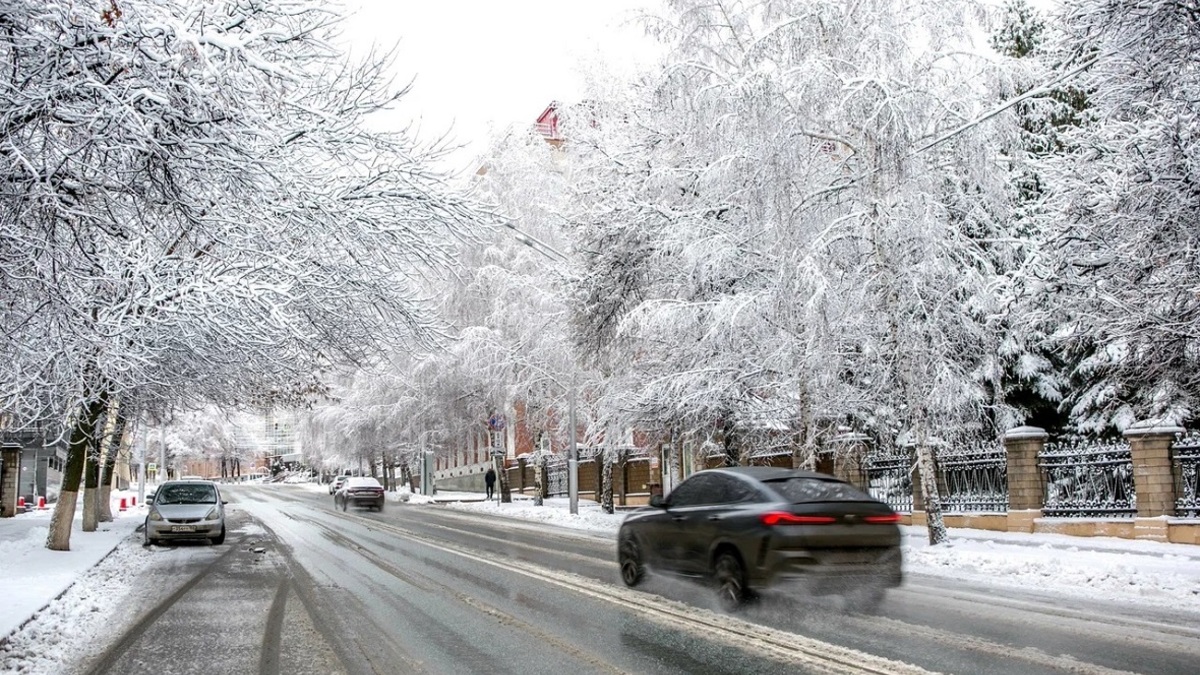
(183, 528)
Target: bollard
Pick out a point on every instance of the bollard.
(123, 507)
(20, 502)
(42, 503)
(134, 498)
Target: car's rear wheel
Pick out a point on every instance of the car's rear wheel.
(730, 578)
(629, 556)
(219, 539)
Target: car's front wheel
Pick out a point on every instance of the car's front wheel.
(730, 578)
(345, 504)
(629, 557)
(219, 539)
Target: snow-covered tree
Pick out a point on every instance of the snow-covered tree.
(799, 224)
(1121, 212)
(194, 204)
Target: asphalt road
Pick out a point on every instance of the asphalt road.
(425, 589)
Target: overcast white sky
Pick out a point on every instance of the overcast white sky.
(481, 65)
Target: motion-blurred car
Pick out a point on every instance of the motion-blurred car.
(337, 484)
(186, 509)
(359, 491)
(748, 528)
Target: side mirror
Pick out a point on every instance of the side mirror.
(658, 502)
(150, 497)
(223, 502)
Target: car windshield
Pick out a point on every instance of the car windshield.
(798, 490)
(187, 494)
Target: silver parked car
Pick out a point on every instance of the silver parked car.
(186, 509)
(337, 484)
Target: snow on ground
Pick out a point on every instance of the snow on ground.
(90, 578)
(103, 570)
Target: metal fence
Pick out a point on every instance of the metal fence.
(1185, 455)
(889, 479)
(974, 479)
(1088, 480)
(556, 473)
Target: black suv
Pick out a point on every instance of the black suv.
(746, 528)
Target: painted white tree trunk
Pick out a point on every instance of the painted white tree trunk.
(59, 538)
(927, 469)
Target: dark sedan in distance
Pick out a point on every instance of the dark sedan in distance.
(750, 528)
(359, 491)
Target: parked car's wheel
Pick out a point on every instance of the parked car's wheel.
(148, 540)
(379, 506)
(219, 539)
(730, 578)
(629, 557)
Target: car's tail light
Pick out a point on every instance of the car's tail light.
(773, 518)
(888, 518)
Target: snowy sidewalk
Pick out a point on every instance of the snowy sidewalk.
(31, 575)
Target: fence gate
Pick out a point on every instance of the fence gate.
(975, 479)
(556, 475)
(889, 479)
(1185, 454)
(1088, 480)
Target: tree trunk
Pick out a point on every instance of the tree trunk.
(927, 468)
(91, 484)
(113, 449)
(541, 481)
(502, 480)
(82, 430)
(606, 478)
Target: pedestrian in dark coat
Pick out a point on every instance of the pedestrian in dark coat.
(489, 479)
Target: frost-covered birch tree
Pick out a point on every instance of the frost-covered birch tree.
(800, 223)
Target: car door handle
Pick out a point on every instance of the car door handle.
(678, 518)
(714, 517)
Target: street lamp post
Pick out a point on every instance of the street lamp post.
(573, 457)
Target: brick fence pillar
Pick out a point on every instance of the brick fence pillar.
(1150, 444)
(10, 459)
(1025, 490)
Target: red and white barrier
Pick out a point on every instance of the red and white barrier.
(123, 507)
(42, 503)
(20, 502)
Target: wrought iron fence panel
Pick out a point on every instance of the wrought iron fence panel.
(1185, 454)
(556, 475)
(889, 479)
(975, 478)
(1088, 480)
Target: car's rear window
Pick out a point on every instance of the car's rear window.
(797, 490)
